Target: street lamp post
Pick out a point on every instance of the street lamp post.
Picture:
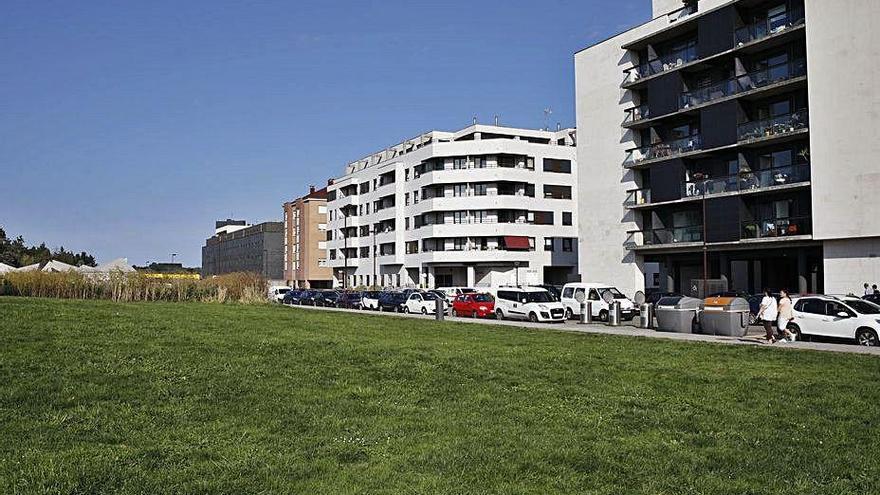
(373, 231)
(705, 246)
(345, 250)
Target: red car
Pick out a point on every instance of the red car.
(477, 305)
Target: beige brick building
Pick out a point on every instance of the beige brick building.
(305, 238)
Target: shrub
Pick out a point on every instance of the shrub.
(247, 288)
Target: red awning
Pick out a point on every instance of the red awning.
(517, 242)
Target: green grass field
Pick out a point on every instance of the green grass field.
(97, 397)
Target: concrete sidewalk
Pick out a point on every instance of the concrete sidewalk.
(754, 338)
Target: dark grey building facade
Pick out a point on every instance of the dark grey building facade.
(257, 249)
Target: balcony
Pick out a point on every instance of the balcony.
(761, 130)
(663, 150)
(748, 181)
(637, 114)
(661, 64)
(776, 228)
(638, 197)
(760, 30)
(664, 237)
(745, 83)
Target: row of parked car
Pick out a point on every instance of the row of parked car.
(537, 304)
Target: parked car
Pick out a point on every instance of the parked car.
(476, 305)
(827, 316)
(595, 294)
(452, 292)
(292, 297)
(276, 292)
(370, 300)
(392, 301)
(555, 290)
(874, 298)
(327, 298)
(350, 300)
(527, 303)
(424, 303)
(310, 298)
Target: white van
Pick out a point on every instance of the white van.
(452, 292)
(276, 292)
(594, 293)
(527, 303)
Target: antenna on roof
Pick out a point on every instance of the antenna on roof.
(475, 120)
(547, 113)
(559, 126)
(496, 120)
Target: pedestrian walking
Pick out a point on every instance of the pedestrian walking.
(868, 290)
(785, 317)
(768, 314)
(876, 290)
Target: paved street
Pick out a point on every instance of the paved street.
(631, 329)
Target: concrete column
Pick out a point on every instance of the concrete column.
(724, 269)
(803, 287)
(669, 277)
(430, 277)
(471, 276)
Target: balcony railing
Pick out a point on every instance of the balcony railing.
(784, 124)
(636, 114)
(662, 237)
(741, 84)
(769, 27)
(662, 64)
(776, 227)
(637, 197)
(748, 181)
(666, 149)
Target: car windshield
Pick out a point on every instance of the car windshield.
(483, 298)
(539, 297)
(864, 307)
(467, 291)
(614, 292)
(430, 296)
(283, 291)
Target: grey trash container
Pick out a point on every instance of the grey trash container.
(727, 316)
(677, 314)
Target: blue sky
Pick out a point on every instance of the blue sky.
(127, 128)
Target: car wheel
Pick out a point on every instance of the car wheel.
(568, 314)
(499, 314)
(406, 309)
(867, 337)
(454, 313)
(533, 317)
(424, 311)
(474, 314)
(603, 315)
(796, 330)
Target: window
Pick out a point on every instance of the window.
(405, 199)
(480, 216)
(548, 244)
(459, 190)
(557, 166)
(459, 163)
(322, 209)
(459, 243)
(365, 187)
(568, 293)
(333, 254)
(567, 245)
(480, 162)
(459, 217)
(406, 223)
(365, 252)
(480, 189)
(832, 308)
(594, 296)
(580, 291)
(566, 218)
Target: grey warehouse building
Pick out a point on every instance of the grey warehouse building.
(239, 247)
(745, 129)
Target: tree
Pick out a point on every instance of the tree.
(17, 253)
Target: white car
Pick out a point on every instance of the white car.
(840, 317)
(594, 293)
(276, 292)
(528, 303)
(370, 300)
(452, 292)
(424, 303)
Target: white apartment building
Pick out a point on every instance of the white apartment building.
(482, 206)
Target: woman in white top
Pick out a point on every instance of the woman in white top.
(768, 313)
